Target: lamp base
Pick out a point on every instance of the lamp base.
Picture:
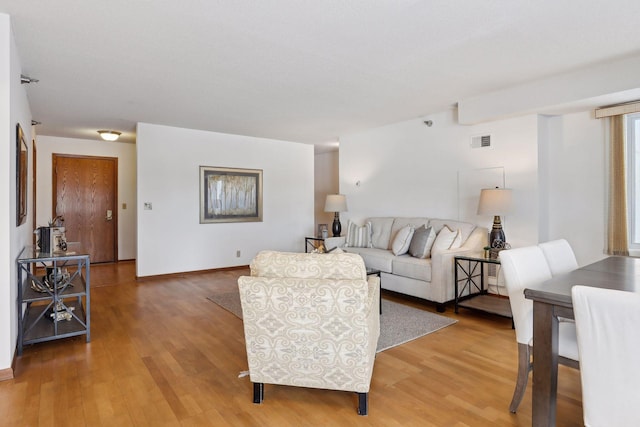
(336, 227)
(496, 237)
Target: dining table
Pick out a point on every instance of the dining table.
(552, 300)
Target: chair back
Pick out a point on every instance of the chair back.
(523, 267)
(310, 320)
(559, 256)
(609, 345)
(339, 266)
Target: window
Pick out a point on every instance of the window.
(632, 124)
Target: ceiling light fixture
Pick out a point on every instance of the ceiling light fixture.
(109, 135)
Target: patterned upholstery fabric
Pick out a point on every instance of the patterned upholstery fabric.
(310, 320)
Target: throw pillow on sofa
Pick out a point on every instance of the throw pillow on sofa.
(421, 242)
(401, 242)
(358, 236)
(457, 241)
(445, 239)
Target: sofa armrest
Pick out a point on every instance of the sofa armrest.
(442, 264)
(334, 242)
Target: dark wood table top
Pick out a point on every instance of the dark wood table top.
(616, 272)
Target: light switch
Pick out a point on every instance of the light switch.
(148, 206)
(124, 206)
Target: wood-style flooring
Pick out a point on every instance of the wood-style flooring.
(162, 354)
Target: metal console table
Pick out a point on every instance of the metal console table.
(471, 291)
(51, 289)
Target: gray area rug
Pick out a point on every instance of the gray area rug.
(399, 323)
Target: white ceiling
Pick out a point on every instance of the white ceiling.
(297, 70)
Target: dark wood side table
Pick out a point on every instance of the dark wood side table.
(471, 291)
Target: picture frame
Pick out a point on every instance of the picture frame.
(230, 195)
(22, 153)
(323, 231)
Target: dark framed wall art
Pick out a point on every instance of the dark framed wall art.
(230, 195)
(21, 176)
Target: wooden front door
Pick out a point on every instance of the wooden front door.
(85, 193)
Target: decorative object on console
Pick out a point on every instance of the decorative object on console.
(496, 202)
(51, 239)
(336, 203)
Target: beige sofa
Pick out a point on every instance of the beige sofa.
(432, 278)
(310, 320)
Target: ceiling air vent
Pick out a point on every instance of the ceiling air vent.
(481, 141)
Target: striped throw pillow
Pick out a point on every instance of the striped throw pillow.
(358, 236)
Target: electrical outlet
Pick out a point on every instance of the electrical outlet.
(238, 253)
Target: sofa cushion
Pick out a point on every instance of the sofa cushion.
(400, 222)
(421, 242)
(381, 232)
(358, 235)
(457, 241)
(443, 241)
(401, 242)
(414, 268)
(380, 259)
(466, 228)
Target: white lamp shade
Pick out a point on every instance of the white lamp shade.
(336, 203)
(494, 201)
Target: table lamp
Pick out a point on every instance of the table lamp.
(336, 203)
(496, 202)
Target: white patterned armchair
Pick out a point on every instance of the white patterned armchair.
(310, 320)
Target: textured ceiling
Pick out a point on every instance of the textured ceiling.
(297, 70)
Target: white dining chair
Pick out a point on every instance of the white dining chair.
(523, 268)
(609, 343)
(559, 256)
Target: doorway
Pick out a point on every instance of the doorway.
(85, 192)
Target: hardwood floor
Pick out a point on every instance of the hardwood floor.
(161, 354)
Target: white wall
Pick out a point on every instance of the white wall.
(553, 164)
(14, 108)
(409, 169)
(572, 172)
(126, 155)
(170, 237)
(606, 83)
(326, 182)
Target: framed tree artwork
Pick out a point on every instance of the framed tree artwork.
(230, 195)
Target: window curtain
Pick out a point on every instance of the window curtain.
(617, 240)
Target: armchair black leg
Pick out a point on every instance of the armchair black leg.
(440, 307)
(363, 403)
(258, 392)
